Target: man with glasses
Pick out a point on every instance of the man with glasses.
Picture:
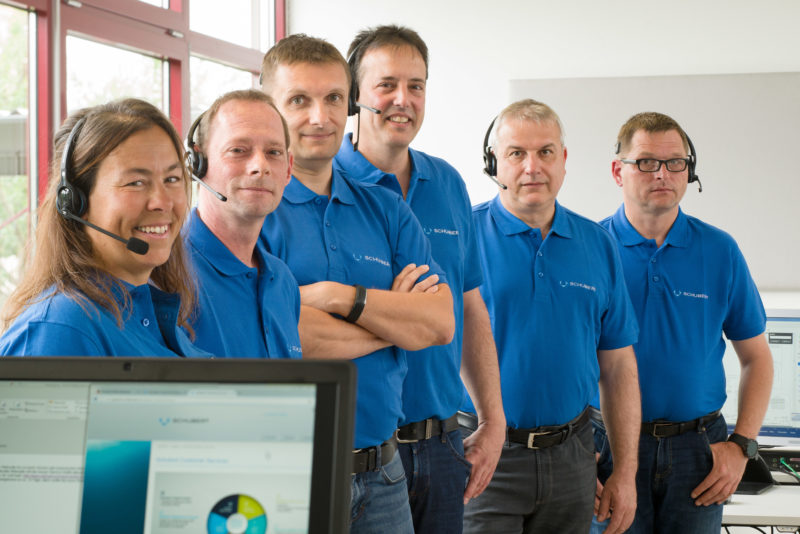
(689, 284)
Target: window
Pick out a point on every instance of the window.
(16, 179)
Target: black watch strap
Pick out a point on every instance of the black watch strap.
(749, 446)
(358, 304)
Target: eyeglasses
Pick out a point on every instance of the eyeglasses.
(653, 165)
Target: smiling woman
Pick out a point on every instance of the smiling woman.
(107, 275)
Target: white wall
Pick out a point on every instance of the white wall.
(477, 47)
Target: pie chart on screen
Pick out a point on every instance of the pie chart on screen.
(237, 514)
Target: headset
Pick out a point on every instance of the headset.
(489, 159)
(70, 200)
(195, 159)
(691, 167)
(72, 203)
(352, 99)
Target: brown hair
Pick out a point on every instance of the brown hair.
(61, 260)
(380, 36)
(299, 48)
(527, 109)
(651, 122)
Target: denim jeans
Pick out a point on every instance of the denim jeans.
(669, 469)
(379, 501)
(545, 490)
(436, 475)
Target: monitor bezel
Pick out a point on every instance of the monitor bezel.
(334, 422)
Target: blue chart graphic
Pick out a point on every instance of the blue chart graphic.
(237, 514)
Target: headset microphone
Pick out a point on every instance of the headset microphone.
(134, 244)
(71, 202)
(490, 160)
(364, 106)
(197, 162)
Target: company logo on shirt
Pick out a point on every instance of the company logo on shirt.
(681, 293)
(587, 287)
(373, 259)
(295, 348)
(440, 231)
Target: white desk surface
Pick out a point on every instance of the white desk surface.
(778, 506)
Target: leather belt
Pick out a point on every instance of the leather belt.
(420, 430)
(546, 436)
(367, 459)
(667, 429)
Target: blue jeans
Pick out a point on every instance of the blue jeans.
(669, 469)
(538, 491)
(379, 501)
(436, 475)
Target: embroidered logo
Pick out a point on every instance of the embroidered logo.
(373, 259)
(440, 231)
(587, 287)
(680, 293)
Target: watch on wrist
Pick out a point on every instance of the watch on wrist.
(749, 446)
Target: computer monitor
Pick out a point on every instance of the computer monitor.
(172, 446)
(782, 422)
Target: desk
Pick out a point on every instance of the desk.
(778, 506)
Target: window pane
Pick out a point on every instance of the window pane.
(210, 79)
(15, 183)
(241, 22)
(97, 73)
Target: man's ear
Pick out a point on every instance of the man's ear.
(616, 171)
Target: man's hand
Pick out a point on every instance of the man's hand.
(482, 449)
(617, 501)
(727, 471)
(406, 280)
(320, 294)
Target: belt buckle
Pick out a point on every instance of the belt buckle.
(428, 433)
(655, 429)
(532, 437)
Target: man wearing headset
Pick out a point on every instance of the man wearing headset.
(562, 321)
(389, 68)
(369, 286)
(248, 300)
(689, 284)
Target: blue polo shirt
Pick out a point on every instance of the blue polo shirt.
(553, 304)
(59, 326)
(242, 312)
(438, 197)
(686, 293)
(362, 234)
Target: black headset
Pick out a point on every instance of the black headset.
(69, 198)
(352, 99)
(692, 165)
(489, 159)
(197, 162)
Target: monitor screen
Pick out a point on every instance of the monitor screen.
(159, 457)
(782, 422)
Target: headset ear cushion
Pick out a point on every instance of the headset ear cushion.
(489, 162)
(202, 165)
(71, 200)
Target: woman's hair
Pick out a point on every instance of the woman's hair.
(62, 260)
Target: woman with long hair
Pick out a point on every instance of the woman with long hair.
(107, 273)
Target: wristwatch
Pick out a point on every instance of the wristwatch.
(749, 446)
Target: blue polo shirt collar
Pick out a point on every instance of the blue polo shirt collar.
(678, 236)
(510, 224)
(297, 193)
(367, 172)
(215, 252)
